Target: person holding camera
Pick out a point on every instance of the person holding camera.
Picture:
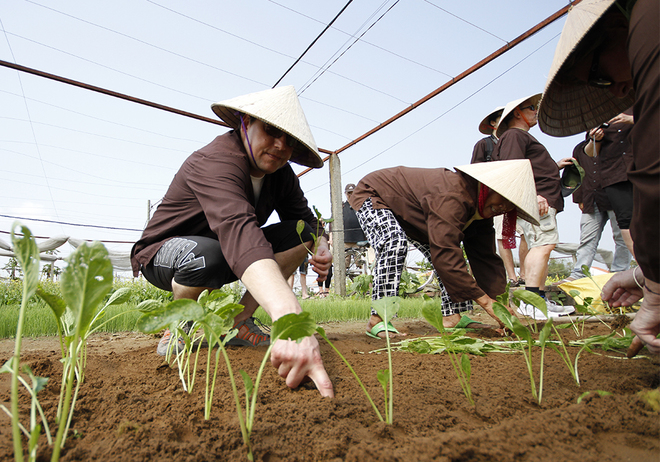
(610, 143)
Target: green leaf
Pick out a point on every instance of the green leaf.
(169, 315)
(466, 366)
(149, 305)
(55, 302)
(532, 298)
(387, 307)
(383, 377)
(27, 255)
(85, 282)
(7, 366)
(300, 227)
(511, 322)
(293, 327)
(545, 332)
(419, 346)
(120, 296)
(247, 382)
(432, 312)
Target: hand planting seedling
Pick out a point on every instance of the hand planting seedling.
(463, 369)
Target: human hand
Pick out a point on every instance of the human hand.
(487, 304)
(297, 361)
(646, 324)
(321, 260)
(581, 205)
(622, 290)
(622, 119)
(543, 205)
(565, 162)
(596, 134)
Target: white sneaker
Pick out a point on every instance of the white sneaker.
(529, 310)
(555, 310)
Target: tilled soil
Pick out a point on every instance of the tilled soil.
(132, 406)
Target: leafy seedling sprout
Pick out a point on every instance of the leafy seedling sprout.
(463, 369)
(300, 227)
(387, 308)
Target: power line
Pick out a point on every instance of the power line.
(313, 42)
(71, 224)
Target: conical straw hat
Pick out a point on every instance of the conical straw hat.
(484, 125)
(510, 106)
(570, 106)
(513, 179)
(280, 108)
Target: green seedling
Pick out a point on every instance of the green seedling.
(292, 327)
(27, 255)
(587, 273)
(463, 369)
(322, 333)
(524, 336)
(387, 308)
(600, 393)
(300, 227)
(213, 313)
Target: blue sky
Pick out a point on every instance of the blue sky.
(75, 156)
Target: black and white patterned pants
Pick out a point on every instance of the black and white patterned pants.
(390, 243)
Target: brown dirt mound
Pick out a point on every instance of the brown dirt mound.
(132, 407)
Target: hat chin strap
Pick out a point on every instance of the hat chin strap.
(524, 118)
(248, 142)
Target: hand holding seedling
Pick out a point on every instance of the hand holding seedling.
(296, 361)
(487, 304)
(322, 259)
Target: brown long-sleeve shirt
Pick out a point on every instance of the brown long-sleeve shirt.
(212, 196)
(519, 144)
(433, 206)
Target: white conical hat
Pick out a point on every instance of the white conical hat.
(570, 106)
(280, 108)
(510, 106)
(484, 125)
(513, 179)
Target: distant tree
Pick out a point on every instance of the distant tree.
(559, 269)
(12, 267)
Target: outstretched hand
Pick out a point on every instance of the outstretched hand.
(297, 361)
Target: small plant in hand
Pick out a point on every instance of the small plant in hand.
(320, 226)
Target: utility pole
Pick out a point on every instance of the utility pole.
(339, 269)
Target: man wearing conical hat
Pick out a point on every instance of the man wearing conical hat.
(209, 229)
(436, 210)
(516, 142)
(608, 57)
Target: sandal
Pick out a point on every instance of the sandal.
(380, 327)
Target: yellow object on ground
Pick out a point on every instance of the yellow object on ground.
(588, 288)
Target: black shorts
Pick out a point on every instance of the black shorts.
(196, 261)
(620, 196)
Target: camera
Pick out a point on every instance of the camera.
(604, 125)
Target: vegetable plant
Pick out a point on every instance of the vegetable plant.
(322, 333)
(292, 327)
(214, 314)
(27, 256)
(463, 369)
(524, 335)
(387, 308)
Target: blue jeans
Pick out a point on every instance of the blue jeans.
(591, 229)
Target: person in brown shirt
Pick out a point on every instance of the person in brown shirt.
(208, 232)
(607, 49)
(483, 152)
(516, 142)
(611, 144)
(437, 210)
